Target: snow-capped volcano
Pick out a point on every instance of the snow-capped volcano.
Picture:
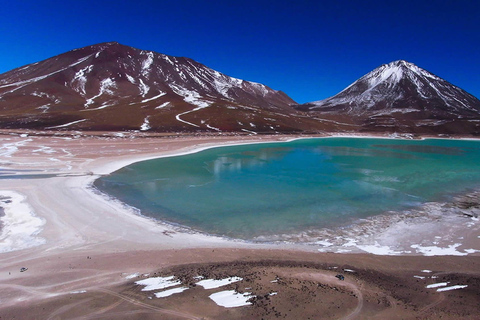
(401, 96)
(110, 86)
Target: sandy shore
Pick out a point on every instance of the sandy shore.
(73, 239)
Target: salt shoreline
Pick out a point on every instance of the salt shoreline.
(380, 243)
(379, 235)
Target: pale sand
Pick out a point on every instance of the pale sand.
(89, 241)
(78, 222)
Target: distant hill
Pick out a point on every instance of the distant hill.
(401, 97)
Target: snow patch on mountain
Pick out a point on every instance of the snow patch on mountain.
(146, 124)
(163, 105)
(21, 84)
(130, 78)
(147, 63)
(143, 88)
(190, 96)
(106, 86)
(79, 80)
(168, 60)
(394, 83)
(161, 94)
(66, 124)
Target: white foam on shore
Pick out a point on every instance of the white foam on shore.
(414, 231)
(451, 250)
(212, 284)
(20, 224)
(231, 298)
(379, 250)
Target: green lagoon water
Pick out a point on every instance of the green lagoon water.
(285, 188)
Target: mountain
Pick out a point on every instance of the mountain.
(110, 86)
(401, 97)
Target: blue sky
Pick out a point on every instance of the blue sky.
(309, 49)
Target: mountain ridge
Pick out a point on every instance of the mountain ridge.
(113, 87)
(110, 75)
(404, 97)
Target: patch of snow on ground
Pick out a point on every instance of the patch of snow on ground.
(157, 283)
(167, 293)
(78, 291)
(419, 277)
(133, 275)
(452, 288)
(436, 285)
(231, 299)
(20, 225)
(471, 251)
(212, 284)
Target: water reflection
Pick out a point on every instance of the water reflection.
(236, 162)
(247, 191)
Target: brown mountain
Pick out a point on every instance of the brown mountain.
(401, 97)
(110, 86)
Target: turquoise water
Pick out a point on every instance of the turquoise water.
(285, 188)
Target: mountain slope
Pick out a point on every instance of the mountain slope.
(110, 86)
(402, 97)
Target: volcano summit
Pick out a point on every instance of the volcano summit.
(401, 97)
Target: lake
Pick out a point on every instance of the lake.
(271, 189)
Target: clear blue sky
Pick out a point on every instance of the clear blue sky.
(309, 49)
